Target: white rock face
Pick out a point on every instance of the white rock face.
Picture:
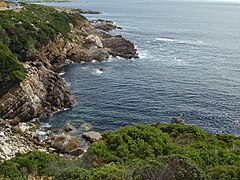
(96, 39)
(5, 150)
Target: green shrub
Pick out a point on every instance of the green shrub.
(139, 152)
(10, 169)
(10, 68)
(224, 172)
(74, 174)
(129, 143)
(36, 163)
(174, 167)
(108, 173)
(175, 130)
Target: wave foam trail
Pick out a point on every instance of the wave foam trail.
(166, 39)
(191, 42)
(144, 54)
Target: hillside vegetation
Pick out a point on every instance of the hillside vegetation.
(23, 34)
(140, 152)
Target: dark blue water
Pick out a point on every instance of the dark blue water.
(189, 67)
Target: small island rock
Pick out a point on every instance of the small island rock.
(176, 120)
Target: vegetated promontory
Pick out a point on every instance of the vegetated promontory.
(34, 44)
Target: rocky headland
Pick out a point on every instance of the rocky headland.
(40, 90)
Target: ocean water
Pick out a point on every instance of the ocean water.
(189, 67)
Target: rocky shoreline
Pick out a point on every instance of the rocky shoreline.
(44, 92)
(31, 136)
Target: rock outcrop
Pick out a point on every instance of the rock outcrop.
(40, 94)
(176, 120)
(87, 44)
(104, 25)
(67, 144)
(92, 136)
(76, 11)
(118, 46)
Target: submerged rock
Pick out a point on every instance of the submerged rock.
(92, 136)
(68, 127)
(86, 126)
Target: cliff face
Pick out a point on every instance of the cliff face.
(40, 94)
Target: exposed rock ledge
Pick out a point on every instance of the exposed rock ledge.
(40, 94)
(44, 91)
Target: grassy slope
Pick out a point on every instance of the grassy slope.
(142, 152)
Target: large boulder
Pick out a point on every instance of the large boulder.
(67, 144)
(92, 136)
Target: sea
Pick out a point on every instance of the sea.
(189, 67)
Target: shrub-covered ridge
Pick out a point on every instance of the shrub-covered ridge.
(23, 35)
(35, 26)
(141, 152)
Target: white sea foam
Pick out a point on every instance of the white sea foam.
(61, 73)
(177, 59)
(94, 61)
(144, 54)
(191, 42)
(166, 39)
(97, 72)
(68, 84)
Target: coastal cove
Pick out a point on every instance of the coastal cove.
(188, 67)
(121, 94)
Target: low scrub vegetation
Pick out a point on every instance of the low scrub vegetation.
(35, 26)
(140, 152)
